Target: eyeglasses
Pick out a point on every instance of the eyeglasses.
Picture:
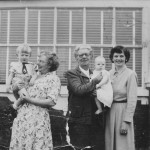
(84, 54)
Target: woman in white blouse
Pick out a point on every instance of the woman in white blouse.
(31, 128)
(119, 133)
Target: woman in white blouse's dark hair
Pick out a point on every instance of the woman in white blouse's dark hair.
(119, 133)
(120, 49)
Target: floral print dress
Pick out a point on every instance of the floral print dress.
(31, 128)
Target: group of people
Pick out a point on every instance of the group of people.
(90, 95)
(114, 93)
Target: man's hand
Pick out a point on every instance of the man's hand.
(99, 77)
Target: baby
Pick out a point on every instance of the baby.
(104, 88)
(22, 71)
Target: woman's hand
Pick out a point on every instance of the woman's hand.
(17, 103)
(124, 128)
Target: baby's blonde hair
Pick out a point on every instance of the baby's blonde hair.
(23, 48)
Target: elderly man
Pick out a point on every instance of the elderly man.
(85, 128)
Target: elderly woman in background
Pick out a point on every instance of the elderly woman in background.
(119, 132)
(31, 128)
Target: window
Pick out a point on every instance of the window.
(60, 29)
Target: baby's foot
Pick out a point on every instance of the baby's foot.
(15, 106)
(98, 112)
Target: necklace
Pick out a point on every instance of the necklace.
(117, 73)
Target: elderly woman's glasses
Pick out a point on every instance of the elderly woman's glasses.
(84, 54)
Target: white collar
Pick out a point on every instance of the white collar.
(86, 72)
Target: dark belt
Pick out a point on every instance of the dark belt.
(123, 101)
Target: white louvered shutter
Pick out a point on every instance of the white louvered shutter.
(124, 29)
(93, 26)
(46, 26)
(77, 32)
(77, 26)
(33, 57)
(63, 26)
(3, 53)
(63, 38)
(32, 27)
(3, 40)
(32, 32)
(17, 26)
(107, 35)
(138, 27)
(3, 26)
(93, 30)
(138, 41)
(107, 26)
(138, 65)
(63, 55)
(12, 54)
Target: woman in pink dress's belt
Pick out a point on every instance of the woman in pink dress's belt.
(119, 133)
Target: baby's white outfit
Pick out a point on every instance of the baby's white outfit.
(105, 92)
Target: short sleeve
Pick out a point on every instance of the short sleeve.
(53, 88)
(12, 68)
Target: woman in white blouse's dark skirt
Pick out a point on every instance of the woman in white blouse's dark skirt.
(119, 133)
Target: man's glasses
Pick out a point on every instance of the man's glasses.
(84, 54)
